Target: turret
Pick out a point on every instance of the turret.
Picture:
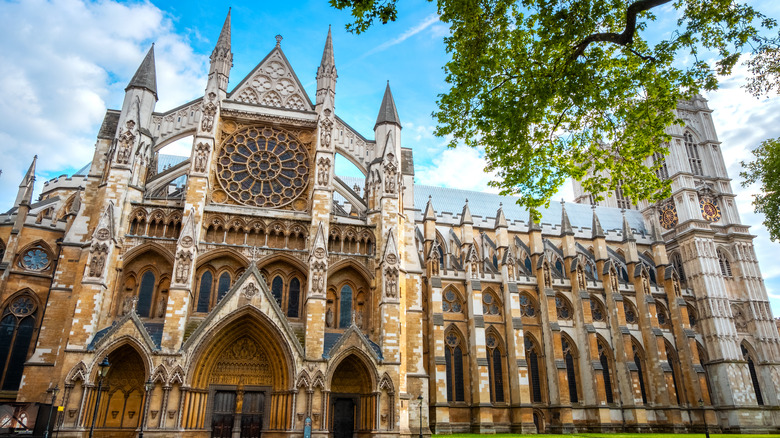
(466, 225)
(387, 129)
(27, 185)
(599, 238)
(628, 237)
(502, 228)
(429, 222)
(326, 74)
(567, 233)
(221, 59)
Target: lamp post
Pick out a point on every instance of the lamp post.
(54, 392)
(102, 371)
(420, 398)
(147, 387)
(704, 418)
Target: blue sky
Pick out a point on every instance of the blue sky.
(63, 62)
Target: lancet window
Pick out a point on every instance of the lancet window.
(286, 290)
(725, 265)
(533, 355)
(597, 311)
(753, 375)
(528, 306)
(606, 369)
(639, 362)
(630, 311)
(569, 356)
(563, 308)
(495, 368)
(211, 289)
(16, 331)
(453, 357)
(490, 304)
(692, 150)
(451, 302)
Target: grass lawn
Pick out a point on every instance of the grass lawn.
(611, 435)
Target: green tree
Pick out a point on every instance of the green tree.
(765, 170)
(557, 89)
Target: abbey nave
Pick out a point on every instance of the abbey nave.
(247, 290)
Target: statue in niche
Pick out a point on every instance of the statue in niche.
(127, 304)
(390, 174)
(162, 305)
(547, 276)
(125, 141)
(677, 287)
(323, 171)
(98, 260)
(329, 317)
(201, 152)
(326, 126)
(209, 110)
(391, 284)
(645, 284)
(183, 267)
(613, 278)
(359, 317)
(581, 278)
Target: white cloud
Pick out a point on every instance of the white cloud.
(427, 22)
(460, 168)
(62, 62)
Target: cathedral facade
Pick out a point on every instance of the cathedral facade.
(247, 290)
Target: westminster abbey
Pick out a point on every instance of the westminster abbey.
(248, 290)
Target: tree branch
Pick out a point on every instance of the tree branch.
(627, 36)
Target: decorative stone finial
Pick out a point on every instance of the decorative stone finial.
(278, 40)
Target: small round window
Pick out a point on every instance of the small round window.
(35, 259)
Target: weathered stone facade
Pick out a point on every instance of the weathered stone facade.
(250, 288)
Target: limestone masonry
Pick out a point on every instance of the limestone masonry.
(246, 289)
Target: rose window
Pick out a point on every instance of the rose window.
(263, 167)
(35, 259)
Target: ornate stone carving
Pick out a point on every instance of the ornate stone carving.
(329, 318)
(162, 305)
(326, 129)
(125, 143)
(183, 262)
(614, 280)
(547, 275)
(391, 283)
(209, 110)
(581, 278)
(99, 253)
(391, 173)
(250, 290)
(323, 171)
(201, 157)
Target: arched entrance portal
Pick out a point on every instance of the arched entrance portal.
(352, 403)
(122, 393)
(241, 381)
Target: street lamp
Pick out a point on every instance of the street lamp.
(147, 387)
(102, 371)
(704, 418)
(420, 398)
(54, 392)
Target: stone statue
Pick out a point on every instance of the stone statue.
(329, 318)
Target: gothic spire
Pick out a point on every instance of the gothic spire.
(596, 227)
(566, 229)
(465, 215)
(387, 111)
(145, 77)
(430, 213)
(222, 57)
(27, 185)
(328, 60)
(500, 218)
(628, 235)
(224, 35)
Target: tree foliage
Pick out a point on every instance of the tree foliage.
(583, 89)
(765, 170)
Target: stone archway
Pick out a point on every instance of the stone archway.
(122, 393)
(241, 380)
(352, 402)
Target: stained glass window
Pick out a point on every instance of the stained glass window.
(146, 295)
(345, 307)
(293, 298)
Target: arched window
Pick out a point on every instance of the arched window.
(146, 295)
(527, 306)
(490, 304)
(527, 264)
(204, 293)
(224, 286)
(606, 371)
(495, 369)
(451, 302)
(559, 267)
(277, 288)
(597, 310)
(693, 154)
(453, 360)
(293, 298)
(563, 308)
(725, 265)
(753, 375)
(16, 330)
(660, 165)
(345, 306)
(692, 316)
(640, 372)
(630, 310)
(532, 355)
(571, 372)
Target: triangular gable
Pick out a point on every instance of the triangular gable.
(273, 83)
(131, 325)
(250, 289)
(354, 337)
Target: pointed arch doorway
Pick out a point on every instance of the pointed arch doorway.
(241, 383)
(352, 402)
